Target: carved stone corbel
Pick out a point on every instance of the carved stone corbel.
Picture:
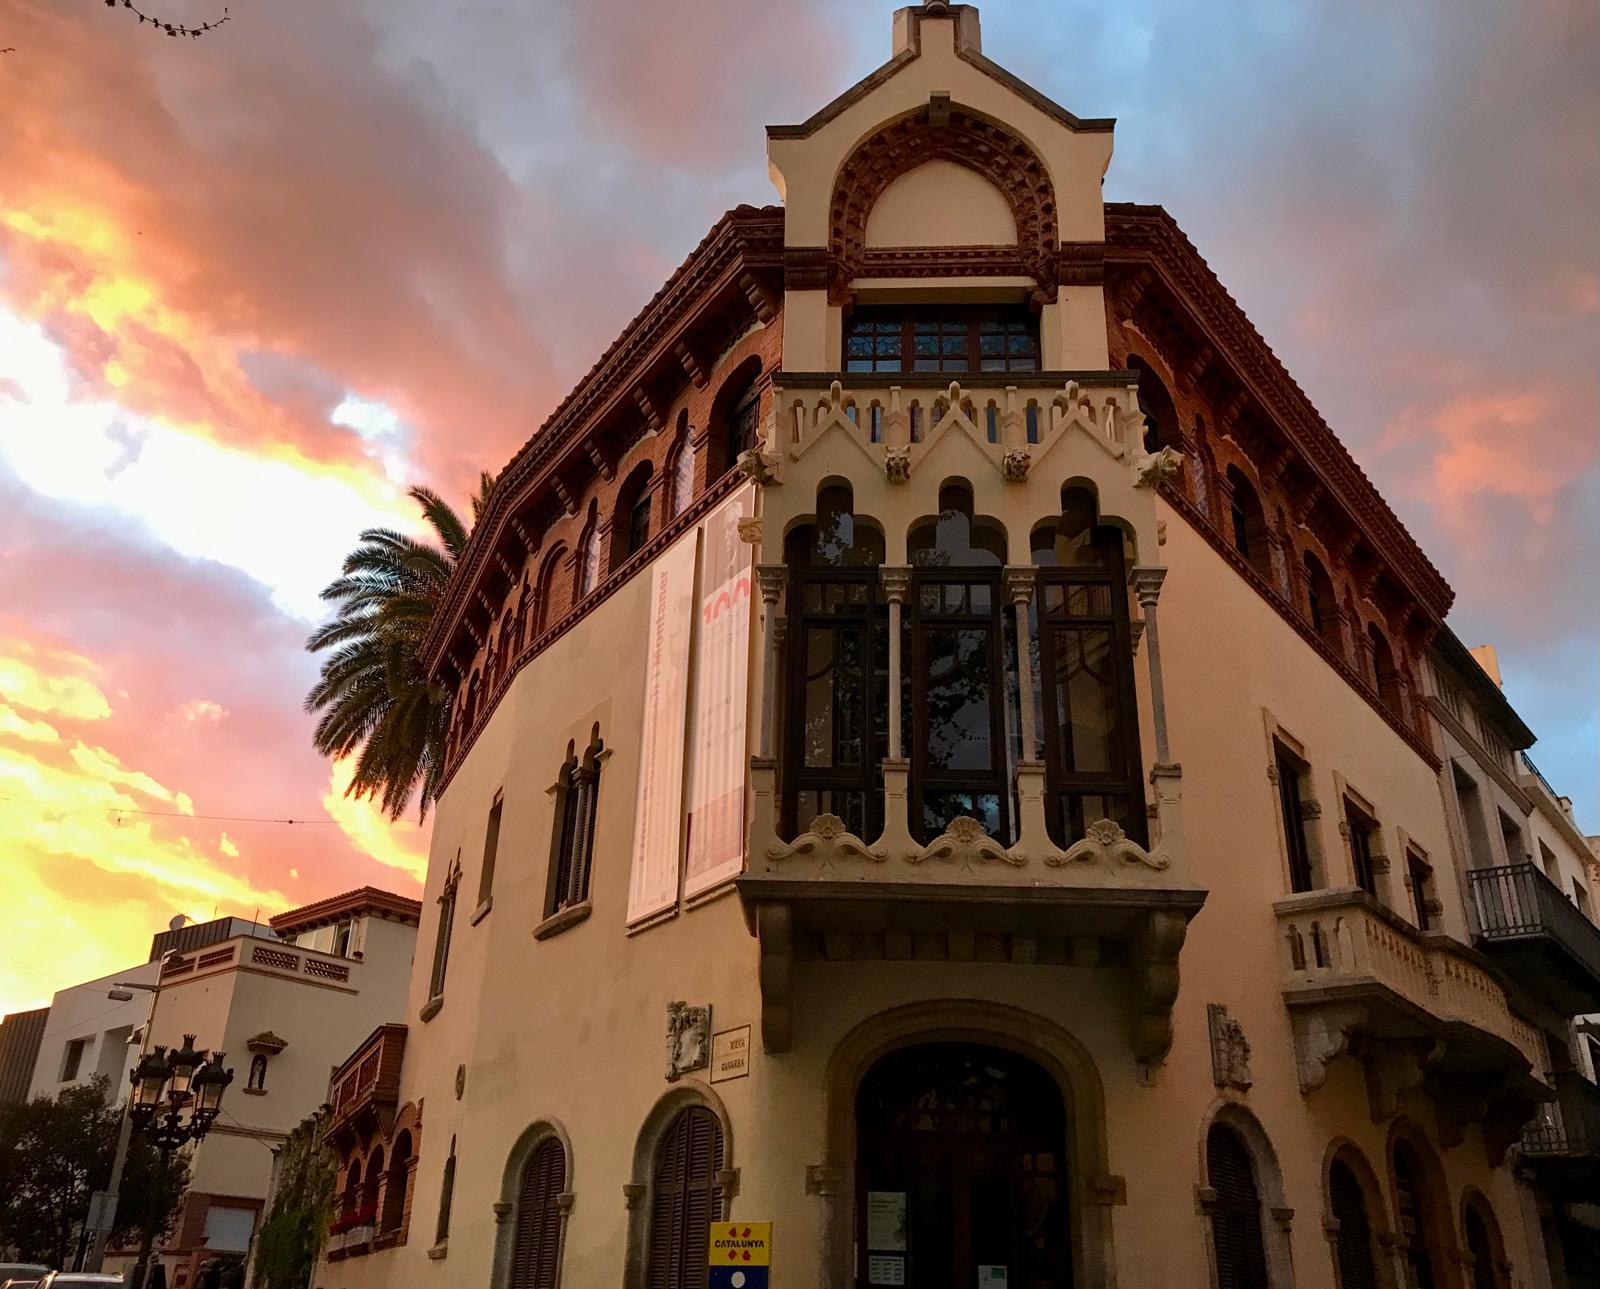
(1394, 1067)
(1107, 844)
(897, 464)
(691, 364)
(1151, 469)
(965, 842)
(1154, 963)
(1015, 464)
(1320, 1034)
(759, 467)
(774, 930)
(827, 840)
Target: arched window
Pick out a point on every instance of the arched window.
(743, 422)
(1417, 1211)
(352, 1190)
(1241, 1258)
(1084, 705)
(1385, 677)
(838, 730)
(257, 1082)
(577, 807)
(373, 1186)
(1249, 523)
(395, 1193)
(685, 1199)
(1485, 1252)
(682, 468)
(960, 696)
(471, 719)
(447, 1193)
(523, 601)
(589, 557)
(630, 523)
(1322, 605)
(1161, 429)
(536, 1253)
(1355, 1247)
(547, 609)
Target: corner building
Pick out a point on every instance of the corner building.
(911, 700)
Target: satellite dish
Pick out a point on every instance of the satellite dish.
(178, 919)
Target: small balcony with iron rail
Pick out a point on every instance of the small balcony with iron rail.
(365, 1090)
(1562, 1144)
(965, 554)
(1540, 938)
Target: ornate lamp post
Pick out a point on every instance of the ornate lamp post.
(177, 1096)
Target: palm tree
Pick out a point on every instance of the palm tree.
(373, 696)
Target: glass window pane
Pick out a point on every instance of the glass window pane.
(958, 698)
(940, 807)
(1089, 740)
(1077, 810)
(817, 730)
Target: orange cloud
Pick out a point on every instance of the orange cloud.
(401, 845)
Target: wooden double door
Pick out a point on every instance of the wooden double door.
(961, 1172)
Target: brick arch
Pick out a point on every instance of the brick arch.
(986, 147)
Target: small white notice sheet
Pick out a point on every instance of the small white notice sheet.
(991, 1277)
(886, 1222)
(885, 1269)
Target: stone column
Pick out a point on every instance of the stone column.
(896, 837)
(1019, 589)
(771, 579)
(1147, 586)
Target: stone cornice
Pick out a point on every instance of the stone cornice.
(746, 238)
(1148, 237)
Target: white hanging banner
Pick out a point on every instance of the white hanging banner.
(717, 754)
(658, 812)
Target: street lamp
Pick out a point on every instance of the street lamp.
(177, 1096)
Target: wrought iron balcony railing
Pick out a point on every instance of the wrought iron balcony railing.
(1569, 1126)
(1522, 918)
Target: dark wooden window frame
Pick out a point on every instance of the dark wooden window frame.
(1356, 1254)
(540, 1224)
(1363, 830)
(974, 320)
(577, 803)
(924, 778)
(1128, 782)
(1237, 1231)
(869, 620)
(639, 522)
(1291, 805)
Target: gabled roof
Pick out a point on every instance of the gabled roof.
(990, 68)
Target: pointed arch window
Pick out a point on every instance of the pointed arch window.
(447, 1192)
(682, 469)
(589, 559)
(1236, 1237)
(536, 1254)
(1249, 523)
(1161, 429)
(685, 1198)
(1086, 706)
(1322, 605)
(1385, 676)
(744, 421)
(838, 645)
(962, 672)
(577, 807)
(441, 942)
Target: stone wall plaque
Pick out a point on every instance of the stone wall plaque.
(1230, 1050)
(730, 1054)
(688, 1039)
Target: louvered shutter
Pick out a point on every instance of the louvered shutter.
(536, 1256)
(1357, 1266)
(685, 1200)
(1236, 1218)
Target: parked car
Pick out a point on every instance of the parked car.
(77, 1280)
(20, 1271)
(20, 1284)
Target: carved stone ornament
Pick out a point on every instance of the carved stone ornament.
(750, 530)
(827, 839)
(1230, 1050)
(1152, 468)
(1107, 844)
(757, 466)
(688, 1039)
(897, 464)
(965, 841)
(1014, 465)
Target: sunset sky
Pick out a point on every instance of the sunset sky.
(253, 285)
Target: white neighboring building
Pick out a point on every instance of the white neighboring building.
(286, 1001)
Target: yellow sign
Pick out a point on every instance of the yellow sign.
(740, 1244)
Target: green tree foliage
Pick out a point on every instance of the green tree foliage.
(55, 1152)
(302, 1206)
(373, 697)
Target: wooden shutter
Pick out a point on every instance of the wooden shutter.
(684, 1201)
(1236, 1217)
(1357, 1266)
(536, 1256)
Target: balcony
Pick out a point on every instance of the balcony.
(1538, 936)
(1015, 443)
(268, 957)
(366, 1089)
(1417, 1010)
(1563, 1141)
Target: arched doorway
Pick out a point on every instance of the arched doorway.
(961, 1171)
